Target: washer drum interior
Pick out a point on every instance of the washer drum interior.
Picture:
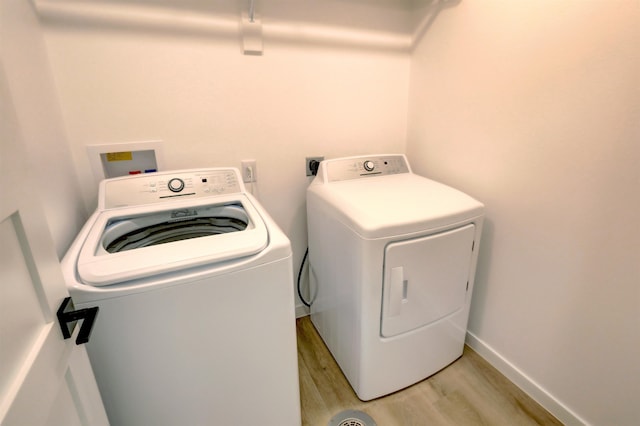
(130, 233)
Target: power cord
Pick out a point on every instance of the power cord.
(304, 259)
(313, 166)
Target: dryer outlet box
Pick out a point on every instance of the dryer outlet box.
(311, 164)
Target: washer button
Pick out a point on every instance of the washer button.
(369, 166)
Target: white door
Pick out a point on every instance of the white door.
(44, 379)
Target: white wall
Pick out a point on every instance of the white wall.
(28, 74)
(128, 74)
(534, 109)
(530, 107)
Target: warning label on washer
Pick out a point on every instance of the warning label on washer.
(119, 156)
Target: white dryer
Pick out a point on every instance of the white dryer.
(392, 257)
(194, 284)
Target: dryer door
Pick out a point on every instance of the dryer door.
(425, 279)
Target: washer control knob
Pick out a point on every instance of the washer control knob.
(176, 185)
(369, 166)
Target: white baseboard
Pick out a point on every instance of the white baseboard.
(524, 382)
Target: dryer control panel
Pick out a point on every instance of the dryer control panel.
(363, 167)
(160, 187)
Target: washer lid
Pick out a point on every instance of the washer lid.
(380, 206)
(137, 242)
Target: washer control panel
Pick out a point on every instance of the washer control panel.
(159, 187)
(362, 167)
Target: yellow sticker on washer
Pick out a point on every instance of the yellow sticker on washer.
(119, 156)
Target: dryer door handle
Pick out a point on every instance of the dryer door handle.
(397, 291)
(68, 316)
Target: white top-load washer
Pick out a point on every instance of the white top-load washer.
(392, 257)
(194, 284)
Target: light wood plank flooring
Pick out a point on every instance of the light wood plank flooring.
(468, 392)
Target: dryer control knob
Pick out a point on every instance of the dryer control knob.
(369, 166)
(176, 185)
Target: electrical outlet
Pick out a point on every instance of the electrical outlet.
(249, 171)
(311, 164)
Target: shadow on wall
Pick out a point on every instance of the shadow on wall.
(480, 286)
